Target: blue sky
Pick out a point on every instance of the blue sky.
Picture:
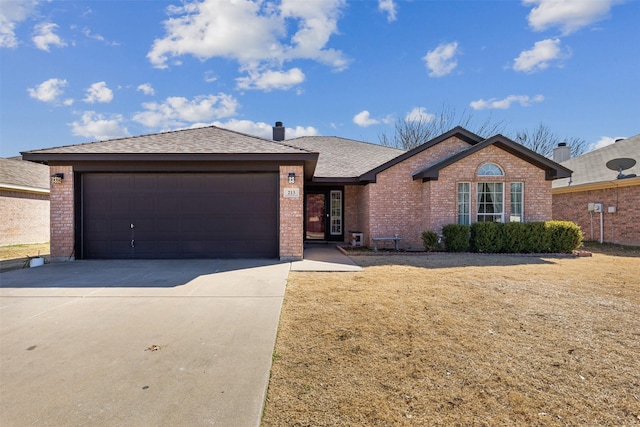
(81, 71)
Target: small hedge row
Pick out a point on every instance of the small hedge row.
(513, 237)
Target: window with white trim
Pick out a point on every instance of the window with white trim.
(464, 203)
(335, 217)
(490, 169)
(490, 202)
(517, 202)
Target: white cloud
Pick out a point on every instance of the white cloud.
(11, 14)
(441, 61)
(568, 15)
(269, 80)
(253, 33)
(503, 104)
(603, 142)
(44, 36)
(179, 111)
(87, 32)
(419, 114)
(49, 90)
(264, 130)
(364, 119)
(146, 88)
(389, 7)
(539, 57)
(96, 126)
(98, 92)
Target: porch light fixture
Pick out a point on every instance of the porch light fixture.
(292, 178)
(57, 178)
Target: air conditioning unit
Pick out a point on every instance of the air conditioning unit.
(597, 207)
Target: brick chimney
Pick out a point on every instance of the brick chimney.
(561, 153)
(278, 132)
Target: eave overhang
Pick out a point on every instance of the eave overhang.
(459, 132)
(552, 169)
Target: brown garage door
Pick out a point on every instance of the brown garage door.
(179, 215)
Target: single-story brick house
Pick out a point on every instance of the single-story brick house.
(24, 202)
(211, 192)
(606, 207)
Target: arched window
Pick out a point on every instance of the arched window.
(490, 169)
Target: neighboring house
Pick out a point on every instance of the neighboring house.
(211, 192)
(24, 202)
(606, 208)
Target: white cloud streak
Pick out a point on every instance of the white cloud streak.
(603, 142)
(363, 119)
(540, 56)
(48, 91)
(441, 61)
(503, 104)
(178, 111)
(419, 114)
(96, 126)
(388, 7)
(44, 36)
(264, 130)
(253, 33)
(147, 89)
(98, 92)
(568, 15)
(270, 80)
(11, 14)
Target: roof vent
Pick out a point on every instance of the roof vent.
(278, 132)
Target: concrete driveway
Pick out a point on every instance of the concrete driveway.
(138, 343)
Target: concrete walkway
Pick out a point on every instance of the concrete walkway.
(138, 343)
(324, 257)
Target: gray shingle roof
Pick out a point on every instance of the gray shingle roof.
(204, 140)
(344, 158)
(591, 167)
(21, 173)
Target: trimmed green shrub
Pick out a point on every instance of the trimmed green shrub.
(514, 237)
(487, 237)
(430, 240)
(456, 237)
(561, 237)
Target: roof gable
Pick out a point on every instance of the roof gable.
(458, 132)
(552, 169)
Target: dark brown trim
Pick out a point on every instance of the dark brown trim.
(458, 132)
(552, 169)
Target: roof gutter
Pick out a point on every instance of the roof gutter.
(24, 188)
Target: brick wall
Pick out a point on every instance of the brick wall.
(352, 210)
(396, 204)
(25, 217)
(621, 227)
(62, 216)
(291, 215)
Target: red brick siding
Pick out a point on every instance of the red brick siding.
(352, 210)
(396, 204)
(397, 201)
(25, 217)
(291, 215)
(62, 216)
(621, 227)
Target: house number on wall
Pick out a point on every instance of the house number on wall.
(292, 193)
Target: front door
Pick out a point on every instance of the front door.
(323, 215)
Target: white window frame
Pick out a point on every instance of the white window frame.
(464, 203)
(517, 205)
(490, 169)
(335, 212)
(496, 199)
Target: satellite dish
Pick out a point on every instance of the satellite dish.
(620, 165)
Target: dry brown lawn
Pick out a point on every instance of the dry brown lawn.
(23, 251)
(460, 340)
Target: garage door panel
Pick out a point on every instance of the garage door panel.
(180, 215)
